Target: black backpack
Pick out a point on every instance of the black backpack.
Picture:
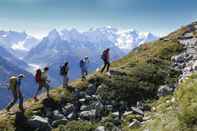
(62, 70)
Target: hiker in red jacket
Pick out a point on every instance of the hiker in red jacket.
(106, 59)
(42, 81)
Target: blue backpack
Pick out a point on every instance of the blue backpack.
(81, 63)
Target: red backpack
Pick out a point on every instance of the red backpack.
(38, 76)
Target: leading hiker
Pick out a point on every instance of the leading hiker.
(106, 59)
(15, 87)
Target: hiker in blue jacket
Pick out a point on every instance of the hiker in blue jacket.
(84, 67)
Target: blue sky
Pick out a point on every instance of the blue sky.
(37, 17)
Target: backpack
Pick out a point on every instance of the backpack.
(81, 63)
(12, 82)
(38, 76)
(62, 70)
(104, 55)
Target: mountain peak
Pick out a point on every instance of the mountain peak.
(53, 34)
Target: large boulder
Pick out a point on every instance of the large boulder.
(39, 123)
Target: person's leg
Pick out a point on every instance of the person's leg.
(83, 74)
(20, 96)
(47, 88)
(65, 82)
(108, 65)
(37, 91)
(105, 64)
(14, 93)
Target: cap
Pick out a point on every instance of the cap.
(20, 76)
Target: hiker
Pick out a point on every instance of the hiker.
(106, 59)
(64, 73)
(14, 86)
(84, 69)
(42, 80)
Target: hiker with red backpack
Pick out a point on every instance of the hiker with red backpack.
(106, 59)
(42, 81)
(64, 73)
(15, 87)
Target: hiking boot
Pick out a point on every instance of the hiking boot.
(35, 98)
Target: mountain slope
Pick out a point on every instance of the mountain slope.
(135, 77)
(12, 59)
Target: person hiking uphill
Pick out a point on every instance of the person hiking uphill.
(42, 81)
(106, 59)
(15, 87)
(84, 67)
(64, 73)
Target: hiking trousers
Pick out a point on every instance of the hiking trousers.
(84, 72)
(106, 64)
(16, 96)
(65, 81)
(40, 86)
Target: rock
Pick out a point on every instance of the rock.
(134, 123)
(82, 101)
(127, 113)
(115, 114)
(57, 115)
(59, 122)
(100, 128)
(109, 108)
(164, 90)
(91, 89)
(68, 109)
(40, 123)
(137, 111)
(140, 105)
(88, 115)
(194, 67)
(84, 108)
(178, 58)
(70, 116)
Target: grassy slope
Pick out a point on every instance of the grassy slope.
(176, 112)
(144, 70)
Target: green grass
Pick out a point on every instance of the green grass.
(175, 112)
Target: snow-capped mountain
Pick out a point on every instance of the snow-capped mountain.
(124, 39)
(18, 43)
